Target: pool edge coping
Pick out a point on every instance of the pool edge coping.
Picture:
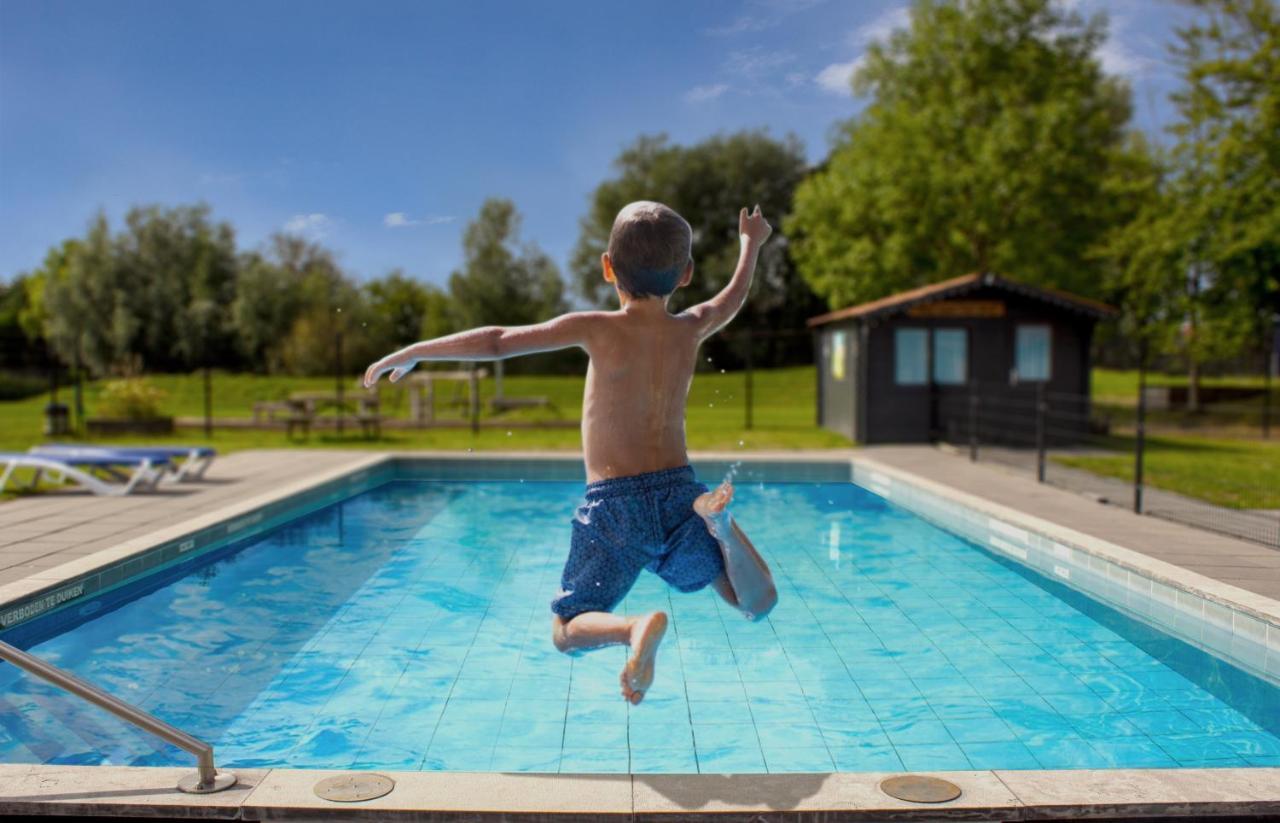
(993, 794)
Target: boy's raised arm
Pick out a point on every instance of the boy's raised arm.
(716, 313)
(488, 343)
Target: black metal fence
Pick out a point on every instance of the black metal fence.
(1214, 467)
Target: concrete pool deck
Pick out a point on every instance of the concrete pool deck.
(288, 794)
(50, 538)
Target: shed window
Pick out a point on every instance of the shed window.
(950, 356)
(910, 357)
(1032, 352)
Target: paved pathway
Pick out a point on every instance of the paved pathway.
(1247, 565)
(1256, 525)
(46, 530)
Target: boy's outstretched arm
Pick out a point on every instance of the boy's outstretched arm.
(715, 314)
(488, 343)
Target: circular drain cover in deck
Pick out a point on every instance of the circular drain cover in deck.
(350, 788)
(920, 789)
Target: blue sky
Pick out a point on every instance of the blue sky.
(380, 128)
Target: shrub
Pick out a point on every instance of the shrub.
(18, 386)
(131, 399)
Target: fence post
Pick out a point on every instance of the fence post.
(1266, 394)
(337, 363)
(1140, 435)
(79, 395)
(748, 393)
(1041, 412)
(473, 398)
(208, 403)
(973, 422)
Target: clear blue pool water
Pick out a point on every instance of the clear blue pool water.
(408, 628)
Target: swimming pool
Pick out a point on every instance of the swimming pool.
(407, 628)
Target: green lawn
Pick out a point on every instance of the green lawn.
(783, 416)
(1120, 386)
(1237, 474)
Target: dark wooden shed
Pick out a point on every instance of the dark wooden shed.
(905, 368)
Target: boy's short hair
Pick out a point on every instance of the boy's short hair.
(650, 246)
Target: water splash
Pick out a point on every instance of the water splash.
(583, 513)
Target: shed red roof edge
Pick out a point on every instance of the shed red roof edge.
(959, 285)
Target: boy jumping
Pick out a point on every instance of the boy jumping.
(643, 509)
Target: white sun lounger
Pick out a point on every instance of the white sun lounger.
(132, 472)
(195, 459)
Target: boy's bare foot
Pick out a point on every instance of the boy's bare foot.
(711, 505)
(646, 635)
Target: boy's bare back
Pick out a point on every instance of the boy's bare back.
(642, 362)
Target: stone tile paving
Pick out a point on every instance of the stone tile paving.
(44, 531)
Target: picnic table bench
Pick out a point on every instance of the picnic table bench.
(300, 409)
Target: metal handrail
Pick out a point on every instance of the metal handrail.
(207, 778)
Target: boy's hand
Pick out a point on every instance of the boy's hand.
(753, 226)
(396, 363)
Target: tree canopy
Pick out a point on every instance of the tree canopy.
(502, 282)
(986, 145)
(1198, 269)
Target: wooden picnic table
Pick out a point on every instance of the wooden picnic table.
(305, 406)
(422, 409)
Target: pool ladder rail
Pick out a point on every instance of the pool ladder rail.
(207, 778)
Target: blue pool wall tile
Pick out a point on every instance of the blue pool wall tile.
(1245, 639)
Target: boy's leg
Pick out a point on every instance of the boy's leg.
(747, 585)
(591, 630)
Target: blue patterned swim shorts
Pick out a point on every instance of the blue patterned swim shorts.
(628, 524)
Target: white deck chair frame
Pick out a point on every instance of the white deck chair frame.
(144, 475)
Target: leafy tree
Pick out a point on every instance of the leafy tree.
(707, 183)
(500, 281)
(437, 315)
(17, 349)
(86, 305)
(986, 146)
(1197, 271)
(266, 305)
(396, 306)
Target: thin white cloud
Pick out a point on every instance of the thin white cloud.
(756, 62)
(312, 225)
(765, 14)
(742, 25)
(881, 26)
(398, 220)
(701, 94)
(1118, 58)
(837, 78)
